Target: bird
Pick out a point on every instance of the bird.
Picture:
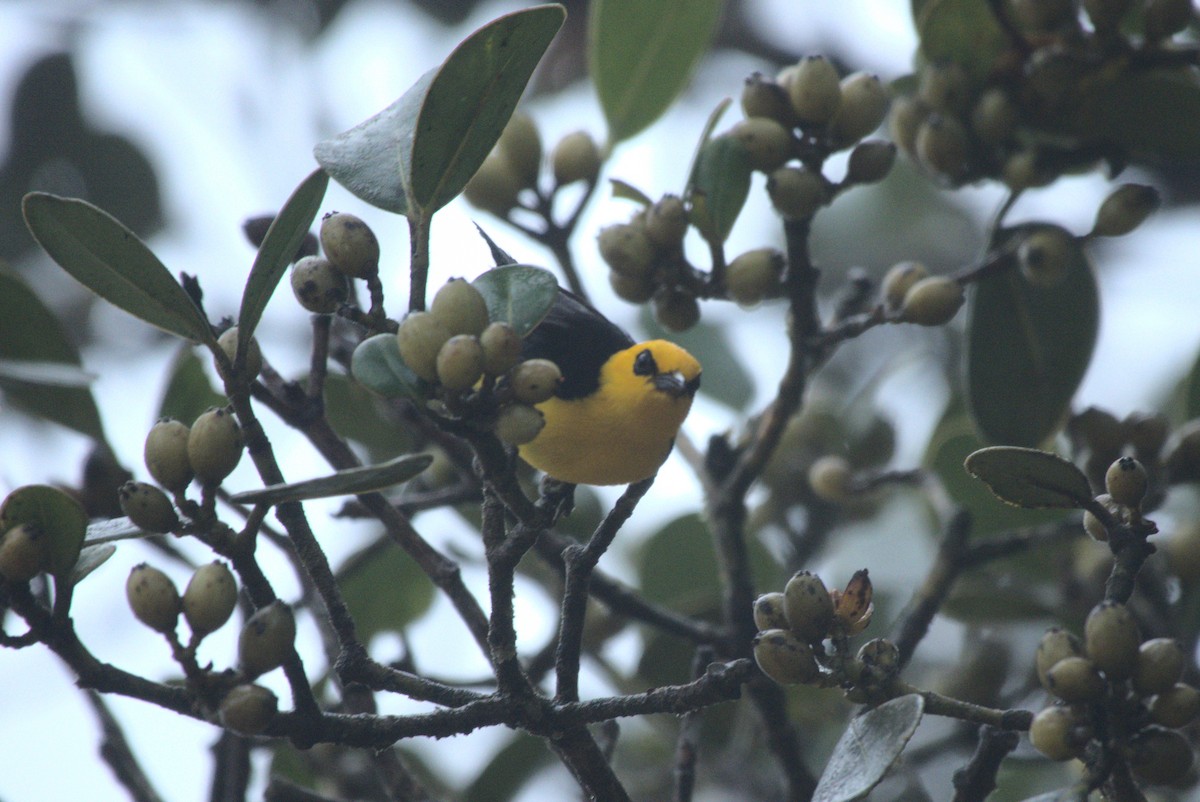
(615, 414)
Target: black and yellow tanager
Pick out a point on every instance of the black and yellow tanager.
(615, 415)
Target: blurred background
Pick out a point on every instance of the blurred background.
(182, 119)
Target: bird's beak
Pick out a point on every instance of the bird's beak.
(674, 384)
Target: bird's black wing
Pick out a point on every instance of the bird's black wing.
(579, 340)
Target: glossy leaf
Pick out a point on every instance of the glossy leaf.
(1028, 348)
(107, 258)
(189, 391)
(868, 748)
(39, 364)
(641, 54)
(384, 589)
(718, 187)
(471, 99)
(60, 517)
(964, 32)
(349, 482)
(91, 558)
(724, 378)
(282, 241)
(1030, 478)
(519, 295)
(377, 365)
(355, 413)
(112, 530)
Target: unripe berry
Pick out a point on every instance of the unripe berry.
(814, 89)
(762, 97)
(767, 143)
(267, 639)
(633, 289)
(1182, 550)
(518, 424)
(899, 279)
(1093, 526)
(676, 309)
(248, 709)
(214, 446)
(420, 338)
(166, 454)
(1045, 256)
(808, 606)
(210, 598)
(1176, 707)
(1160, 664)
(349, 245)
(945, 88)
(575, 158)
(1126, 481)
(147, 507)
(535, 381)
(460, 362)
(904, 122)
(1058, 733)
(942, 146)
(1056, 644)
(769, 611)
(870, 162)
(501, 348)
(863, 108)
(666, 222)
(753, 275)
(254, 359)
(494, 187)
(1125, 209)
(932, 301)
(521, 144)
(785, 658)
(994, 118)
(1075, 680)
(318, 286)
(1160, 756)
(796, 192)
(24, 552)
(460, 307)
(153, 598)
(1165, 18)
(1112, 639)
(829, 477)
(626, 248)
(880, 658)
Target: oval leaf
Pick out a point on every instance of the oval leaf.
(111, 530)
(384, 589)
(32, 338)
(107, 258)
(282, 242)
(1026, 477)
(471, 99)
(60, 517)
(641, 54)
(91, 558)
(357, 414)
(377, 365)
(718, 187)
(1154, 114)
(1027, 350)
(961, 31)
(519, 295)
(868, 748)
(350, 482)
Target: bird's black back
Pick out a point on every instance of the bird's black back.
(579, 340)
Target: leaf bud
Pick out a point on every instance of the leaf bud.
(808, 606)
(494, 187)
(767, 143)
(214, 446)
(267, 639)
(518, 424)
(1125, 208)
(24, 552)
(521, 144)
(209, 598)
(460, 307)
(147, 507)
(769, 611)
(932, 301)
(576, 158)
(814, 89)
(753, 276)
(153, 598)
(1160, 664)
(248, 709)
(420, 338)
(350, 245)
(785, 658)
(796, 192)
(1112, 639)
(318, 286)
(501, 348)
(1126, 481)
(166, 454)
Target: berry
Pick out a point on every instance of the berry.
(147, 507)
(254, 359)
(815, 90)
(1160, 664)
(214, 446)
(666, 222)
(829, 477)
(1106, 15)
(166, 454)
(420, 338)
(863, 108)
(768, 144)
(633, 289)
(762, 97)
(796, 192)
(753, 275)
(945, 88)
(932, 301)
(1112, 639)
(942, 146)
(1057, 732)
(1160, 756)
(576, 158)
(676, 309)
(460, 307)
(1164, 18)
(1056, 644)
(318, 286)
(1093, 526)
(153, 598)
(904, 122)
(494, 187)
(267, 639)
(349, 245)
(808, 606)
(210, 597)
(535, 381)
(1045, 256)
(501, 348)
(248, 709)
(521, 144)
(1125, 209)
(768, 611)
(994, 118)
(24, 552)
(784, 658)
(460, 362)
(899, 279)
(1176, 707)
(870, 162)
(518, 424)
(1075, 680)
(1126, 481)
(626, 248)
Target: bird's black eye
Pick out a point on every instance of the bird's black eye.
(644, 364)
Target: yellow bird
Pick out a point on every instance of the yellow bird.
(615, 415)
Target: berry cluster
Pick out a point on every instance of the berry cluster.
(322, 283)
(1115, 692)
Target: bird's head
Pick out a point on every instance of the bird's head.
(660, 367)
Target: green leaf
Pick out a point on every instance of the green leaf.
(626, 191)
(280, 245)
(377, 365)
(519, 295)
(641, 54)
(964, 32)
(189, 391)
(349, 482)
(112, 530)
(91, 558)
(1027, 350)
(107, 258)
(868, 748)
(358, 414)
(725, 379)
(384, 589)
(1154, 114)
(1029, 478)
(500, 256)
(718, 187)
(39, 363)
(510, 770)
(60, 517)
(472, 98)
